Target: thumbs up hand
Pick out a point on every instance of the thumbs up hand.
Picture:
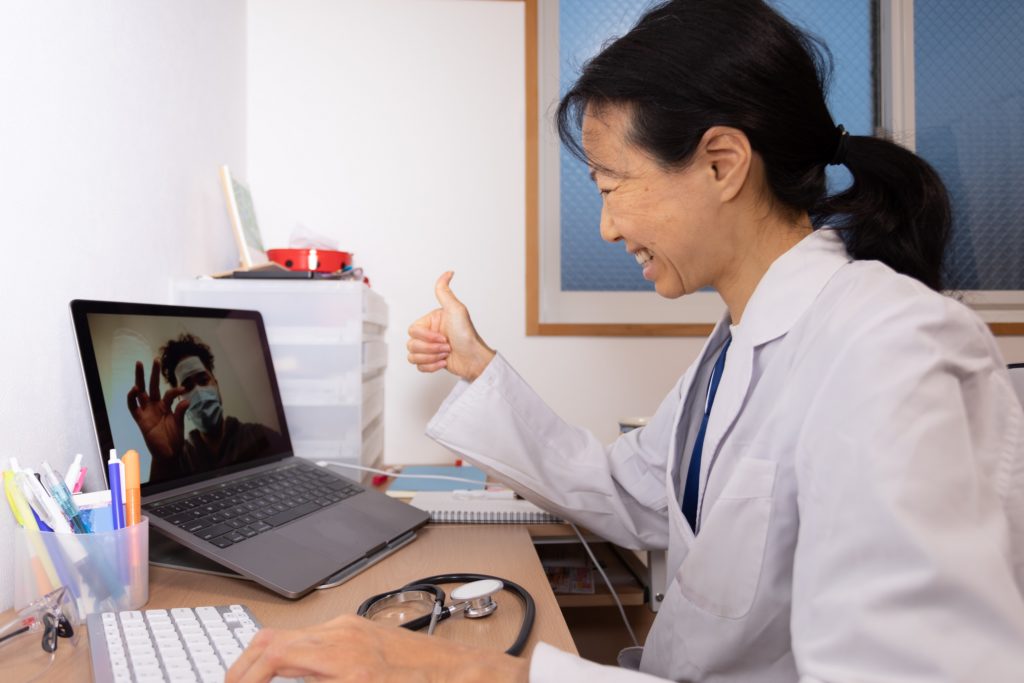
(446, 338)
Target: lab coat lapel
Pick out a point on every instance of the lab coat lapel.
(678, 440)
(785, 292)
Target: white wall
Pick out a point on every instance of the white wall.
(114, 119)
(397, 127)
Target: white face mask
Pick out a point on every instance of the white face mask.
(204, 409)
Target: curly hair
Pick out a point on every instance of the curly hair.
(184, 346)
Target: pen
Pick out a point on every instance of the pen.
(61, 494)
(71, 476)
(132, 496)
(41, 502)
(116, 501)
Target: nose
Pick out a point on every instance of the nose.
(608, 231)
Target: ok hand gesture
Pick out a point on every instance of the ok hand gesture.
(161, 427)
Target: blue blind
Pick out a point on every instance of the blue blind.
(590, 264)
(969, 89)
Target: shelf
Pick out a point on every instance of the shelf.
(622, 567)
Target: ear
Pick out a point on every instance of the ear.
(727, 154)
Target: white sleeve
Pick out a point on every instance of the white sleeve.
(550, 665)
(902, 567)
(619, 492)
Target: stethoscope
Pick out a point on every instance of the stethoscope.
(473, 599)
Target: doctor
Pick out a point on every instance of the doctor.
(839, 476)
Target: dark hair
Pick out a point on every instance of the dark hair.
(689, 65)
(184, 346)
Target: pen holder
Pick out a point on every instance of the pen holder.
(104, 571)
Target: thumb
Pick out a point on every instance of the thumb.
(443, 291)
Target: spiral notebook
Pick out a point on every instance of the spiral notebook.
(446, 508)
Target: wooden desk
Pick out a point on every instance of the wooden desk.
(504, 551)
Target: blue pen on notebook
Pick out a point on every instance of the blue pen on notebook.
(114, 477)
(61, 494)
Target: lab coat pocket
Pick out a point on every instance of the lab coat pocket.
(721, 572)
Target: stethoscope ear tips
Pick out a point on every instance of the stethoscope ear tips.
(478, 596)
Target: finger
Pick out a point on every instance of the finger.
(443, 291)
(433, 367)
(140, 378)
(425, 358)
(171, 395)
(249, 655)
(133, 400)
(421, 330)
(283, 652)
(154, 381)
(419, 346)
(179, 414)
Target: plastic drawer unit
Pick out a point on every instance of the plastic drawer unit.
(327, 342)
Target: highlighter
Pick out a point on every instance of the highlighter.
(132, 494)
(116, 502)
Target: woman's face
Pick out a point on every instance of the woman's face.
(666, 218)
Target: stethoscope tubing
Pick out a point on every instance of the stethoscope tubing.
(430, 585)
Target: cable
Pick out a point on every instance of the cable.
(615, 596)
(325, 463)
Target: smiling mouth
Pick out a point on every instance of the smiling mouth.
(642, 256)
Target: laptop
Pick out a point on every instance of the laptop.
(193, 391)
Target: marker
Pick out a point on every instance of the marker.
(61, 494)
(72, 473)
(81, 480)
(132, 494)
(43, 569)
(116, 499)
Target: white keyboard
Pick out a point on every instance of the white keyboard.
(183, 644)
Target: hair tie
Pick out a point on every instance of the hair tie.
(839, 157)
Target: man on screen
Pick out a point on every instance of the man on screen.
(216, 440)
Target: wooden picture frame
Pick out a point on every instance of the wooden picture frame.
(550, 312)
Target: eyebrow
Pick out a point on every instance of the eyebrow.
(606, 171)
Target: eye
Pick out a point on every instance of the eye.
(604, 193)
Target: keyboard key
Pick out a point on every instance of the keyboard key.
(290, 515)
(213, 531)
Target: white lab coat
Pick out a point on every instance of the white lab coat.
(861, 515)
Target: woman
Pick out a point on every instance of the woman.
(838, 478)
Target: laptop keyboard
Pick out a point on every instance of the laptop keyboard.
(235, 511)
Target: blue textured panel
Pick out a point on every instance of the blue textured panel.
(590, 264)
(969, 84)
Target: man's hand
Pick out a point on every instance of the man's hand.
(162, 428)
(446, 338)
(352, 648)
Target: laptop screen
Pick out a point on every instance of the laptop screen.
(191, 389)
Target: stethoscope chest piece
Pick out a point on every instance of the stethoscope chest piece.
(420, 604)
(478, 596)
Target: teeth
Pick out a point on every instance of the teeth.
(643, 256)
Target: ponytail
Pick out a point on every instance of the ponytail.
(896, 211)
(689, 65)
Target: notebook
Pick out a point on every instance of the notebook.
(220, 478)
(446, 508)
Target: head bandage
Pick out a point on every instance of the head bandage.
(186, 367)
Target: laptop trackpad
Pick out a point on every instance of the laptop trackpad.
(344, 537)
